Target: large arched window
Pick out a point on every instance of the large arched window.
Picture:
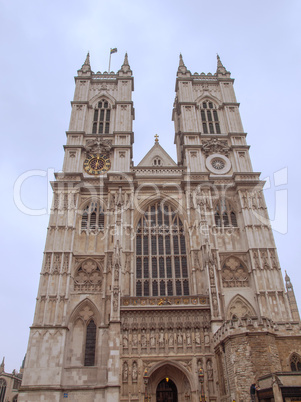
(161, 260)
(295, 362)
(209, 118)
(82, 337)
(101, 118)
(2, 389)
(224, 215)
(93, 217)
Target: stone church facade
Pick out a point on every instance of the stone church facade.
(160, 282)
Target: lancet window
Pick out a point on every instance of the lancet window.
(209, 116)
(295, 363)
(93, 217)
(102, 117)
(161, 258)
(224, 214)
(2, 389)
(90, 344)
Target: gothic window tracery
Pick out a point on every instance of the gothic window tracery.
(88, 277)
(295, 362)
(93, 217)
(2, 389)
(82, 336)
(234, 273)
(224, 214)
(102, 117)
(161, 260)
(209, 116)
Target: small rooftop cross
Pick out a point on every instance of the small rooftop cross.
(156, 138)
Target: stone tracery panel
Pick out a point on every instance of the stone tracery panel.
(234, 273)
(88, 277)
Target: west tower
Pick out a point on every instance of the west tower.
(162, 278)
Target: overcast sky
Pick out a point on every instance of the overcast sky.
(44, 43)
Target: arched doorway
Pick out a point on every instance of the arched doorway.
(166, 391)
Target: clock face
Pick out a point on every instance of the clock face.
(97, 164)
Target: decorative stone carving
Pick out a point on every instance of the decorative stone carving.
(88, 277)
(86, 313)
(264, 259)
(66, 263)
(256, 259)
(56, 266)
(240, 308)
(152, 339)
(209, 370)
(98, 146)
(196, 260)
(197, 338)
(115, 299)
(234, 273)
(180, 338)
(125, 340)
(215, 146)
(135, 372)
(125, 372)
(188, 338)
(143, 339)
(134, 339)
(47, 264)
(273, 259)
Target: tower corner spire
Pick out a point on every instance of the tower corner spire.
(2, 365)
(86, 67)
(125, 68)
(220, 67)
(182, 69)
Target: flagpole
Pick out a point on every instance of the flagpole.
(110, 61)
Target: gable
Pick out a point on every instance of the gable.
(157, 157)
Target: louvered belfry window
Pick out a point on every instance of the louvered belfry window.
(209, 117)
(101, 118)
(161, 260)
(93, 217)
(224, 215)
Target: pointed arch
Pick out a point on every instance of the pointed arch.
(210, 122)
(82, 337)
(295, 362)
(102, 107)
(103, 94)
(173, 370)
(209, 97)
(85, 305)
(239, 308)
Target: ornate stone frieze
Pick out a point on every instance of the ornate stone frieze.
(98, 146)
(215, 146)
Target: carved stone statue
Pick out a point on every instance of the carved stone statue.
(134, 372)
(152, 338)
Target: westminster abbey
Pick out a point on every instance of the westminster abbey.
(161, 281)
